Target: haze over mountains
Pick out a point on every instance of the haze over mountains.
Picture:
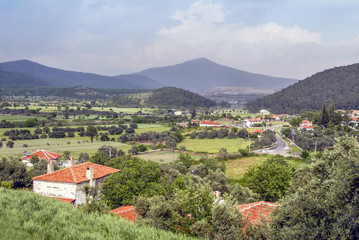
(196, 75)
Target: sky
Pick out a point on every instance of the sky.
(283, 38)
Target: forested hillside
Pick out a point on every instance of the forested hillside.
(177, 97)
(339, 85)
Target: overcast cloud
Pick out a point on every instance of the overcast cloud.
(275, 37)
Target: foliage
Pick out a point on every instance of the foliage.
(324, 199)
(12, 169)
(270, 180)
(137, 178)
(92, 132)
(341, 87)
(23, 216)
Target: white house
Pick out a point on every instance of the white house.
(67, 184)
(207, 123)
(264, 112)
(250, 122)
(305, 124)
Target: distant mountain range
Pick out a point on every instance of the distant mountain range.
(196, 75)
(339, 85)
(201, 74)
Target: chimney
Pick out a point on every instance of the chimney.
(72, 161)
(50, 166)
(217, 194)
(89, 172)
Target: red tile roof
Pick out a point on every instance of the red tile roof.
(77, 173)
(65, 200)
(43, 154)
(209, 122)
(126, 212)
(255, 120)
(256, 131)
(256, 211)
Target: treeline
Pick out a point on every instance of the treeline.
(339, 85)
(177, 98)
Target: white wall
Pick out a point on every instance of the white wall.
(54, 189)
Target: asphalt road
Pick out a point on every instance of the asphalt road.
(281, 148)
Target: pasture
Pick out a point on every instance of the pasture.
(214, 145)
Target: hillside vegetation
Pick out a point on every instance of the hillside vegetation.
(25, 215)
(177, 97)
(339, 85)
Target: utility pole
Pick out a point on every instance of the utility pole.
(315, 150)
(249, 144)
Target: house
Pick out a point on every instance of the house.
(251, 122)
(264, 112)
(354, 121)
(207, 123)
(41, 154)
(256, 131)
(68, 183)
(126, 212)
(305, 124)
(276, 117)
(256, 211)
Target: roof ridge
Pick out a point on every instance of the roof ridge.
(73, 174)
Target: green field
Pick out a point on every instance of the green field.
(214, 145)
(59, 145)
(163, 156)
(236, 168)
(18, 118)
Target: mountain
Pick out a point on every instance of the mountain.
(339, 85)
(177, 97)
(57, 77)
(200, 74)
(16, 78)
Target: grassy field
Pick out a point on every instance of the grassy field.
(18, 118)
(214, 145)
(236, 168)
(59, 145)
(163, 156)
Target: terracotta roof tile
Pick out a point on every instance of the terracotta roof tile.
(65, 200)
(126, 212)
(43, 154)
(209, 122)
(256, 211)
(77, 173)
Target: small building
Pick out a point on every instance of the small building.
(68, 183)
(354, 120)
(264, 112)
(41, 154)
(251, 122)
(207, 123)
(256, 131)
(308, 125)
(126, 212)
(256, 211)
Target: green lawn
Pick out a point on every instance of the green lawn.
(18, 118)
(214, 145)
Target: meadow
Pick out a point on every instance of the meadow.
(214, 145)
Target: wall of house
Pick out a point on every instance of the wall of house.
(81, 195)
(54, 189)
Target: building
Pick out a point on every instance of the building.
(264, 112)
(251, 122)
(126, 212)
(255, 212)
(41, 154)
(68, 183)
(305, 124)
(256, 131)
(207, 123)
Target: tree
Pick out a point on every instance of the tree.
(12, 169)
(137, 178)
(83, 157)
(92, 132)
(270, 180)
(133, 150)
(324, 198)
(10, 144)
